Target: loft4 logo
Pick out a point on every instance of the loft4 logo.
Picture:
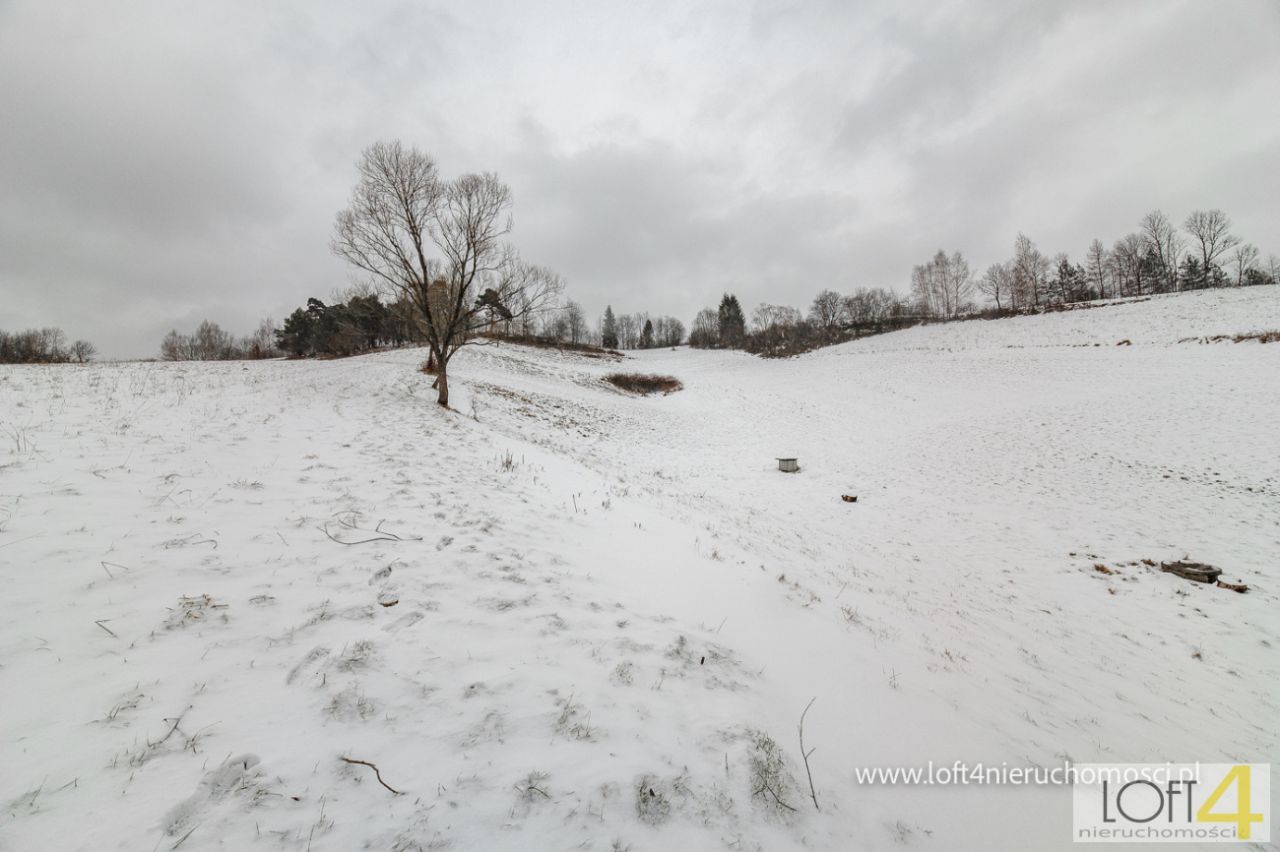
(1171, 803)
(1162, 801)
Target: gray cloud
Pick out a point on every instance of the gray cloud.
(162, 163)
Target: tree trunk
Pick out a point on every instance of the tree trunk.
(442, 384)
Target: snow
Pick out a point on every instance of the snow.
(582, 611)
(1167, 318)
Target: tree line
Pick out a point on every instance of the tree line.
(479, 287)
(1159, 257)
(209, 342)
(785, 330)
(639, 331)
(43, 346)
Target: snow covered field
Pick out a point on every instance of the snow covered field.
(562, 617)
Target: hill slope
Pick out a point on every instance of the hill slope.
(565, 617)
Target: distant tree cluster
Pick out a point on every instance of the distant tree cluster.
(784, 330)
(361, 323)
(942, 286)
(639, 331)
(1157, 258)
(43, 346)
(566, 324)
(210, 343)
(720, 328)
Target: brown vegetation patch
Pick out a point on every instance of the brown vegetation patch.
(644, 383)
(1260, 336)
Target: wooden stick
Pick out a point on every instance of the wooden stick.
(375, 772)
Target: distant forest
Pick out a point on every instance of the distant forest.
(1159, 257)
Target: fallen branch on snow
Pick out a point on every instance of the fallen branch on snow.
(805, 754)
(375, 772)
(379, 533)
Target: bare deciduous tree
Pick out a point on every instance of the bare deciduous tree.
(171, 346)
(1127, 261)
(1244, 257)
(997, 284)
(1165, 246)
(262, 343)
(399, 210)
(868, 306)
(957, 283)
(1098, 267)
(629, 326)
(576, 322)
(942, 285)
(706, 329)
(555, 326)
(768, 317)
(1030, 273)
(1211, 230)
(83, 351)
(211, 342)
(826, 312)
(530, 291)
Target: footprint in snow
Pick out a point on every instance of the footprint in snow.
(407, 620)
(236, 775)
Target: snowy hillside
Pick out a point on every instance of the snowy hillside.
(1156, 319)
(564, 617)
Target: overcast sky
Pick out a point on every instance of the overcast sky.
(165, 162)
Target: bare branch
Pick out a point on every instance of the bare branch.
(376, 773)
(805, 754)
(379, 533)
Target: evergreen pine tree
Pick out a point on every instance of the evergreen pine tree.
(609, 329)
(733, 323)
(295, 336)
